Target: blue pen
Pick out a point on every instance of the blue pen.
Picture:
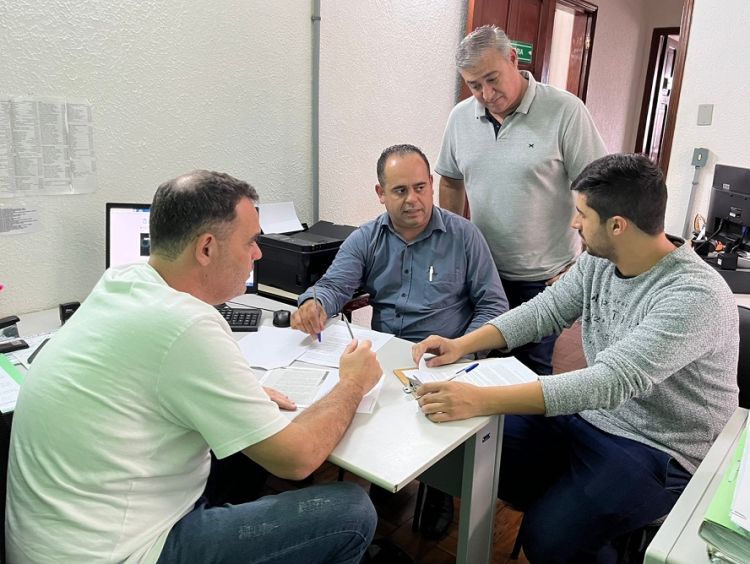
(467, 369)
(315, 299)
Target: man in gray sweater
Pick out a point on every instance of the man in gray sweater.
(609, 448)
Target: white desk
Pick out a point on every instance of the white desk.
(397, 443)
(677, 541)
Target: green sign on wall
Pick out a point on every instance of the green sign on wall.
(524, 51)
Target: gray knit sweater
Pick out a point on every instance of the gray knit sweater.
(661, 350)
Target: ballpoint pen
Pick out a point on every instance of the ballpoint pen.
(315, 299)
(349, 327)
(466, 369)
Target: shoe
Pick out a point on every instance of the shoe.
(383, 551)
(437, 514)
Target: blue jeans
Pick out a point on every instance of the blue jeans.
(580, 488)
(537, 356)
(326, 523)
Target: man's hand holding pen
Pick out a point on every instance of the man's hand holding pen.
(310, 318)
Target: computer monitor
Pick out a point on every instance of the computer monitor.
(128, 241)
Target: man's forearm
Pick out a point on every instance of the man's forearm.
(452, 195)
(328, 418)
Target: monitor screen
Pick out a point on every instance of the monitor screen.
(128, 241)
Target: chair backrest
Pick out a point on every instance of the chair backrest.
(743, 365)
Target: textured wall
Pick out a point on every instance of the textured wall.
(174, 85)
(616, 78)
(717, 72)
(387, 76)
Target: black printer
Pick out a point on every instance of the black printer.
(295, 261)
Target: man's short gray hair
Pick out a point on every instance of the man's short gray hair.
(478, 41)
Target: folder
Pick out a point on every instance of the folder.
(717, 528)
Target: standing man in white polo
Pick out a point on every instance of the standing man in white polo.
(513, 149)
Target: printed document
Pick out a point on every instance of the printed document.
(305, 386)
(489, 372)
(334, 339)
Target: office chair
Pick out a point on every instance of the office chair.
(631, 548)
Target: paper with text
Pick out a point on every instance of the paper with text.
(9, 385)
(305, 386)
(490, 372)
(334, 339)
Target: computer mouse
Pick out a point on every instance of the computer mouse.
(282, 318)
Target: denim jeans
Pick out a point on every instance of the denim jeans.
(580, 488)
(537, 356)
(325, 523)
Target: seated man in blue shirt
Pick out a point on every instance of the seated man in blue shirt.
(427, 271)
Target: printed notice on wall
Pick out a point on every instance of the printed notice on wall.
(17, 218)
(46, 146)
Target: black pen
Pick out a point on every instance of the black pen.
(349, 327)
(36, 352)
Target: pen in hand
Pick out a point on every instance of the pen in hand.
(349, 327)
(466, 369)
(315, 299)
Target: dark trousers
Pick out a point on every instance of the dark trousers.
(537, 356)
(580, 487)
(235, 479)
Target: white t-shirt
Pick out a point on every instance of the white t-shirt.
(112, 430)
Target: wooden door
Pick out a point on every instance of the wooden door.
(657, 92)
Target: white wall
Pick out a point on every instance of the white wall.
(221, 84)
(717, 71)
(620, 54)
(387, 76)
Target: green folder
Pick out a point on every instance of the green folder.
(717, 528)
(10, 369)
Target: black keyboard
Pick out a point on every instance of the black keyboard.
(241, 319)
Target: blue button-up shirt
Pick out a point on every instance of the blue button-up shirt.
(444, 282)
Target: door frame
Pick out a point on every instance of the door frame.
(655, 59)
(590, 10)
(674, 99)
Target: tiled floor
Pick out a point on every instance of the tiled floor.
(396, 513)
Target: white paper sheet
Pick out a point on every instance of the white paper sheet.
(333, 341)
(8, 387)
(279, 217)
(305, 386)
(301, 385)
(272, 347)
(489, 372)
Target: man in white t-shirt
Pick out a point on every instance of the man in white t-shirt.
(111, 435)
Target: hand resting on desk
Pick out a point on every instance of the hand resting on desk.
(310, 318)
(280, 399)
(449, 401)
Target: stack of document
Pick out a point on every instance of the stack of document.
(305, 386)
(275, 349)
(483, 373)
(725, 524)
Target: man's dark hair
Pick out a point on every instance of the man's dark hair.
(191, 204)
(400, 150)
(627, 185)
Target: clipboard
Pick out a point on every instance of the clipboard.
(410, 383)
